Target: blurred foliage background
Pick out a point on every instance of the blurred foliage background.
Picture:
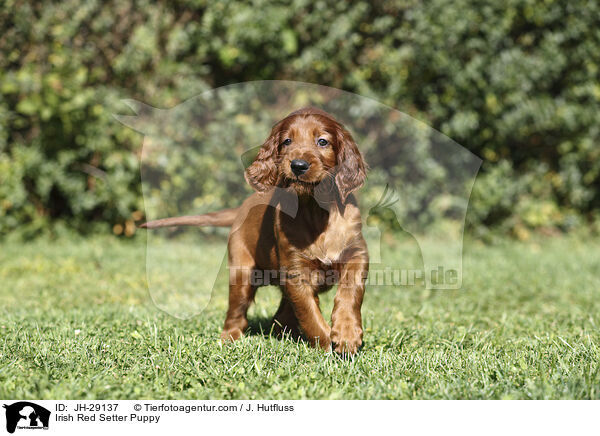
(515, 82)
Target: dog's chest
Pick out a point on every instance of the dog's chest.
(316, 235)
(330, 244)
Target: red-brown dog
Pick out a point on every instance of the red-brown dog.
(308, 154)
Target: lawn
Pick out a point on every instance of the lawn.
(77, 321)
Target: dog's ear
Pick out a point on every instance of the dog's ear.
(262, 174)
(351, 168)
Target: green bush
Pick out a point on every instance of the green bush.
(515, 82)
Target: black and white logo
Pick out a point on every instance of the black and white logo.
(26, 415)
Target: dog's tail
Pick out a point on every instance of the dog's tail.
(222, 218)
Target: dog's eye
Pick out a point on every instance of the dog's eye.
(287, 142)
(322, 142)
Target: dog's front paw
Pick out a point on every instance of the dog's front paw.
(231, 334)
(346, 338)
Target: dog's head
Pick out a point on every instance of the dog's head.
(306, 149)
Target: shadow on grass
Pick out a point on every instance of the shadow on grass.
(265, 327)
(261, 326)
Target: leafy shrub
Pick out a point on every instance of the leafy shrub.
(515, 82)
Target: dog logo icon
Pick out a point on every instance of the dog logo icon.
(26, 415)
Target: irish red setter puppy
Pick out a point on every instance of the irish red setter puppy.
(310, 160)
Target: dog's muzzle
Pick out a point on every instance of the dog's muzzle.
(299, 166)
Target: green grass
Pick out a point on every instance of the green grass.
(77, 321)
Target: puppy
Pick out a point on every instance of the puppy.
(309, 161)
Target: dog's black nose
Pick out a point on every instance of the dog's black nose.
(299, 166)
